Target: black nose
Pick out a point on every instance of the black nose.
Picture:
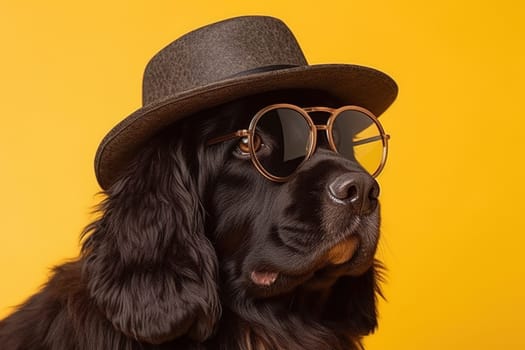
(358, 190)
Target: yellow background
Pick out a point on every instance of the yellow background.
(452, 192)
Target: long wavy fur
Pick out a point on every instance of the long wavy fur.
(159, 268)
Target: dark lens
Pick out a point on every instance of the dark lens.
(286, 136)
(357, 137)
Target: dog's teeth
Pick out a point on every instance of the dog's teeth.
(263, 278)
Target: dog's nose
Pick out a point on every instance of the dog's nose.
(358, 190)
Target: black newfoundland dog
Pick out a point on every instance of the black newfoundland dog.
(195, 249)
(238, 214)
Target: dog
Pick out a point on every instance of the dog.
(194, 249)
(238, 212)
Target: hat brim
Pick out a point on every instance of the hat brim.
(353, 84)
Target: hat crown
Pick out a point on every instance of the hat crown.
(217, 52)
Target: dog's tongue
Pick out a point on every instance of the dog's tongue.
(261, 278)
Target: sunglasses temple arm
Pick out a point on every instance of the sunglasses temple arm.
(371, 139)
(237, 134)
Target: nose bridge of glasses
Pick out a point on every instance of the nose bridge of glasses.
(318, 109)
(321, 140)
(319, 117)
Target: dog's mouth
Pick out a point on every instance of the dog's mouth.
(264, 278)
(340, 254)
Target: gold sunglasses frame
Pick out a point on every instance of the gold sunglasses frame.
(314, 128)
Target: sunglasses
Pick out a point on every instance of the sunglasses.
(281, 137)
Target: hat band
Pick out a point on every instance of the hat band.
(263, 69)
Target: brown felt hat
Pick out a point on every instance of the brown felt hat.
(220, 63)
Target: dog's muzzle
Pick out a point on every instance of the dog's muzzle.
(356, 190)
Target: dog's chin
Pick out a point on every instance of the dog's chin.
(321, 271)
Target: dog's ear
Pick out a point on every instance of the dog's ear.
(352, 306)
(147, 263)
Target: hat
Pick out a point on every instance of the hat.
(223, 62)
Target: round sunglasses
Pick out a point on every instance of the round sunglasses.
(281, 137)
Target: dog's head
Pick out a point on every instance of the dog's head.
(191, 227)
